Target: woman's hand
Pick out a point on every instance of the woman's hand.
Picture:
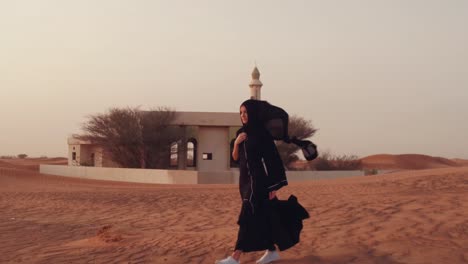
(272, 195)
(242, 136)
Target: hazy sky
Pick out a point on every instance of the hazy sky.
(373, 76)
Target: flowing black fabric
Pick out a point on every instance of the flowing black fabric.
(275, 222)
(261, 221)
(286, 222)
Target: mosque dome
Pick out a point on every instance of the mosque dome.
(256, 74)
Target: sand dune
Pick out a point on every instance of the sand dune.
(406, 217)
(397, 162)
(31, 163)
(462, 162)
(407, 162)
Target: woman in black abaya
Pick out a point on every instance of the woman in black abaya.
(261, 175)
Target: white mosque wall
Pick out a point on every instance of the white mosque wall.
(123, 174)
(218, 177)
(213, 141)
(180, 176)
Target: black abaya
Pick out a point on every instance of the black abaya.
(261, 221)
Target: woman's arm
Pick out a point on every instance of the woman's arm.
(235, 152)
(239, 139)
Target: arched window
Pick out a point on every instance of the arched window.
(233, 163)
(174, 155)
(192, 152)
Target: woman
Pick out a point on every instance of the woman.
(261, 175)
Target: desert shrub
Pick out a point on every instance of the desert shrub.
(327, 161)
(371, 172)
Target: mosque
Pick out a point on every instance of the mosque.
(202, 156)
(205, 147)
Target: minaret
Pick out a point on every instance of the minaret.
(255, 85)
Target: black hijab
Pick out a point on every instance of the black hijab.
(265, 119)
(255, 125)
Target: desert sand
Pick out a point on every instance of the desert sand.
(411, 216)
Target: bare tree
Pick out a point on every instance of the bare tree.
(119, 132)
(300, 128)
(134, 138)
(158, 135)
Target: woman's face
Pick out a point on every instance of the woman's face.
(243, 115)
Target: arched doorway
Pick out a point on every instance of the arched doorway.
(192, 152)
